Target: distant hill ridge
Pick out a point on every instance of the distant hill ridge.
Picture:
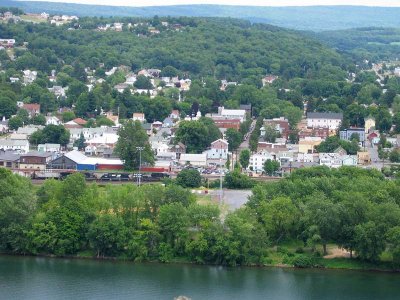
(314, 18)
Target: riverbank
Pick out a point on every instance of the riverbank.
(336, 263)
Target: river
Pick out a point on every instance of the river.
(47, 278)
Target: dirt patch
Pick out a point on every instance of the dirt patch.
(337, 252)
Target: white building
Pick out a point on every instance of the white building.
(21, 146)
(324, 120)
(29, 76)
(232, 113)
(49, 148)
(159, 147)
(256, 162)
(52, 120)
(218, 150)
(397, 72)
(198, 160)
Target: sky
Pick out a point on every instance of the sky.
(390, 3)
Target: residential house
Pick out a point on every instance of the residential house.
(29, 129)
(52, 120)
(308, 144)
(348, 133)
(107, 140)
(3, 126)
(7, 43)
(329, 120)
(58, 91)
(369, 124)
(159, 147)
(88, 133)
(157, 125)
(332, 160)
(218, 150)
(281, 126)
(9, 160)
(14, 79)
(78, 121)
(148, 127)
(56, 148)
(178, 149)
(322, 133)
(139, 117)
(33, 109)
(174, 115)
(269, 79)
(29, 76)
(168, 123)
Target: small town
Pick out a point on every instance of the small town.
(210, 151)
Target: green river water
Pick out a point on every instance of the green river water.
(47, 278)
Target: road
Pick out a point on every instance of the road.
(245, 144)
(234, 199)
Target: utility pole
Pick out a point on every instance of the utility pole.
(137, 176)
(220, 177)
(140, 149)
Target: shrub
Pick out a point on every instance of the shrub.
(303, 261)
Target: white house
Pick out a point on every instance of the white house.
(159, 147)
(49, 148)
(29, 76)
(52, 120)
(256, 162)
(218, 150)
(21, 146)
(324, 120)
(139, 117)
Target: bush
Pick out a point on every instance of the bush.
(236, 180)
(303, 261)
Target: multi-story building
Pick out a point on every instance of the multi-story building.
(320, 120)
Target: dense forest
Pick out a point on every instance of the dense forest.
(370, 43)
(225, 48)
(313, 208)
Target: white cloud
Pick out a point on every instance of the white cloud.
(390, 3)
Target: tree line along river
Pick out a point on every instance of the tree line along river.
(48, 278)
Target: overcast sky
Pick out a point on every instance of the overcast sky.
(236, 2)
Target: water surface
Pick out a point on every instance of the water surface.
(47, 278)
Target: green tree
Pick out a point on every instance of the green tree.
(17, 206)
(80, 143)
(39, 120)
(234, 138)
(369, 243)
(244, 158)
(271, 166)
(279, 216)
(107, 235)
(132, 136)
(270, 133)
(189, 178)
(15, 122)
(143, 83)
